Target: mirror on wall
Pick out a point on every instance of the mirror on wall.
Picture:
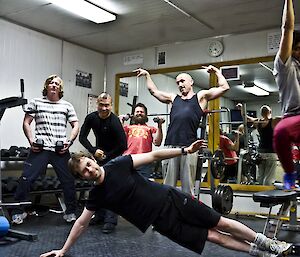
(251, 83)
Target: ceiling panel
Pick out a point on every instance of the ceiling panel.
(146, 23)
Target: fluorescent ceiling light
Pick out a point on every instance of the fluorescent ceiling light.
(255, 90)
(86, 10)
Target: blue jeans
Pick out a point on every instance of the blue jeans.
(36, 164)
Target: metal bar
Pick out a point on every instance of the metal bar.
(246, 137)
(200, 156)
(16, 204)
(240, 166)
(267, 221)
(228, 115)
(158, 114)
(215, 111)
(231, 122)
(22, 235)
(207, 112)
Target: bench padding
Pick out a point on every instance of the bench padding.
(274, 196)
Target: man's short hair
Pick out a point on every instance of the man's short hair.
(73, 163)
(104, 95)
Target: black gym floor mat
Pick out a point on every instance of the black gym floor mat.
(126, 241)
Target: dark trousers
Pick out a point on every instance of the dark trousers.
(145, 170)
(107, 216)
(230, 172)
(36, 164)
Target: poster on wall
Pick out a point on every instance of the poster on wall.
(273, 41)
(124, 89)
(92, 103)
(161, 58)
(83, 79)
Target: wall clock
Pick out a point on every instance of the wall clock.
(215, 48)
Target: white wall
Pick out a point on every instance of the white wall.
(188, 53)
(34, 56)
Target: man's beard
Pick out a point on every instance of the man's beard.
(139, 120)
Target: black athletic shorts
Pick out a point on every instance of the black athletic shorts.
(186, 220)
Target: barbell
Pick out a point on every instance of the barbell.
(128, 116)
(217, 161)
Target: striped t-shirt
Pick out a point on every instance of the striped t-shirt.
(51, 120)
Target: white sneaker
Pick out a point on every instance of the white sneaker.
(19, 218)
(266, 254)
(279, 247)
(69, 217)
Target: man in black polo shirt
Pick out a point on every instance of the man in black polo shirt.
(173, 213)
(110, 143)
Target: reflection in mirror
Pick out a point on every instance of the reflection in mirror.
(253, 76)
(254, 86)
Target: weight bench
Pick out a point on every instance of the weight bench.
(288, 202)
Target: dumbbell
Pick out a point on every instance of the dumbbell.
(156, 119)
(59, 145)
(48, 183)
(56, 184)
(4, 153)
(4, 186)
(24, 151)
(39, 143)
(13, 151)
(11, 185)
(37, 185)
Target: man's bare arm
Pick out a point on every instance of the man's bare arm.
(287, 29)
(214, 92)
(145, 158)
(163, 97)
(158, 136)
(78, 228)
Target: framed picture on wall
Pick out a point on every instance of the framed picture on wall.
(124, 89)
(83, 79)
(92, 103)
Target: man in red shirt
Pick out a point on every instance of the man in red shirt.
(229, 149)
(140, 136)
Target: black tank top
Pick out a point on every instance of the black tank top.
(184, 121)
(266, 138)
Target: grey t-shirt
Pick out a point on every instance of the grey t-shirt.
(287, 77)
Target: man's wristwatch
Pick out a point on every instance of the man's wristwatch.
(183, 152)
(70, 142)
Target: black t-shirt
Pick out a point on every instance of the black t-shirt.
(128, 194)
(109, 133)
(266, 138)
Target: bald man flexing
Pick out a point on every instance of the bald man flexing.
(186, 112)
